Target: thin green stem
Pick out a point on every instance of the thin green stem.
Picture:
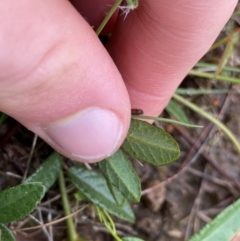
(112, 225)
(211, 118)
(219, 43)
(72, 234)
(191, 91)
(211, 76)
(109, 224)
(214, 67)
(165, 120)
(108, 16)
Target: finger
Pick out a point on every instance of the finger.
(158, 43)
(57, 79)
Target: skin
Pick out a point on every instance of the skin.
(52, 64)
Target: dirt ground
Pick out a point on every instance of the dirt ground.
(178, 200)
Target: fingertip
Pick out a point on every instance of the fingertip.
(89, 136)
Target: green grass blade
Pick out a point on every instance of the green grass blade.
(166, 120)
(223, 227)
(176, 111)
(213, 67)
(211, 118)
(211, 76)
(192, 92)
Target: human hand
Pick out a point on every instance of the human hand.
(58, 80)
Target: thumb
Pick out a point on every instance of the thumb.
(57, 79)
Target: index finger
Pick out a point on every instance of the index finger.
(159, 42)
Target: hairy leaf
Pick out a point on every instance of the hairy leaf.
(5, 234)
(48, 172)
(95, 188)
(119, 172)
(223, 227)
(19, 201)
(151, 144)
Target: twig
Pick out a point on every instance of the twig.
(194, 209)
(44, 228)
(69, 189)
(210, 178)
(50, 228)
(51, 223)
(30, 157)
(210, 160)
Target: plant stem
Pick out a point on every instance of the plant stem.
(211, 118)
(108, 224)
(192, 92)
(72, 234)
(219, 43)
(165, 120)
(108, 16)
(214, 67)
(211, 76)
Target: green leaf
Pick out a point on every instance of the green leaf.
(95, 188)
(48, 172)
(3, 117)
(223, 227)
(175, 110)
(5, 234)
(119, 172)
(118, 196)
(79, 196)
(150, 143)
(131, 239)
(19, 201)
